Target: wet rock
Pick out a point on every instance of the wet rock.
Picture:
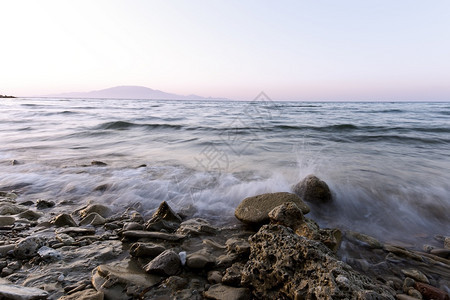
(405, 297)
(408, 283)
(140, 234)
(444, 253)
(43, 204)
(89, 294)
(447, 242)
(164, 218)
(101, 188)
(222, 292)
(6, 221)
(65, 239)
(283, 264)
(175, 283)
(414, 293)
(133, 226)
(238, 246)
(64, 220)
(4, 249)
(93, 219)
(74, 231)
(364, 240)
(137, 218)
(196, 227)
(312, 189)
(232, 275)
(200, 260)
(100, 209)
(330, 237)
(98, 163)
(18, 292)
(287, 214)
(416, 275)
(30, 215)
(255, 210)
(28, 247)
(431, 292)
(49, 254)
(146, 250)
(214, 277)
(166, 264)
(10, 209)
(118, 282)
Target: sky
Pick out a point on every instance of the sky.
(292, 50)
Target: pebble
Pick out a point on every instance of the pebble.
(416, 275)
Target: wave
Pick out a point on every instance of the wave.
(123, 125)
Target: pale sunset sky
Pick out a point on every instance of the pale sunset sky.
(293, 50)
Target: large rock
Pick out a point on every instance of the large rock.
(167, 263)
(313, 190)
(285, 265)
(18, 292)
(255, 210)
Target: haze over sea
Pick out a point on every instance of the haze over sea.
(387, 164)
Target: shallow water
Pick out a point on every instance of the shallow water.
(386, 163)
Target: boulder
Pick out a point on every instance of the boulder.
(166, 264)
(164, 218)
(222, 292)
(255, 210)
(285, 265)
(18, 292)
(313, 190)
(431, 292)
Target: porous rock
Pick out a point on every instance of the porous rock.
(255, 210)
(166, 264)
(312, 189)
(283, 264)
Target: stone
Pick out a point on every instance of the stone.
(18, 292)
(287, 214)
(214, 277)
(223, 292)
(408, 283)
(7, 221)
(141, 234)
(65, 239)
(238, 246)
(10, 209)
(132, 226)
(330, 237)
(49, 254)
(64, 220)
(405, 297)
(431, 292)
(163, 218)
(444, 253)
(166, 264)
(232, 275)
(89, 294)
(196, 227)
(414, 293)
(28, 247)
(285, 265)
(116, 281)
(312, 189)
(200, 260)
(43, 204)
(176, 283)
(4, 249)
(416, 275)
(100, 209)
(76, 231)
(447, 242)
(255, 210)
(146, 250)
(363, 240)
(30, 215)
(98, 163)
(93, 219)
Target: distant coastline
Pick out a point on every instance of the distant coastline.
(6, 96)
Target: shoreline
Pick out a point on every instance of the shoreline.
(96, 252)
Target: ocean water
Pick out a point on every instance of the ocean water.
(387, 164)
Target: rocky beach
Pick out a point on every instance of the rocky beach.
(49, 250)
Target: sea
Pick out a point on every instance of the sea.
(387, 164)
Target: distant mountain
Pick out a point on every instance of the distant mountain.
(130, 92)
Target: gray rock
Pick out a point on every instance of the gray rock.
(287, 214)
(93, 219)
(141, 234)
(49, 254)
(100, 209)
(6, 221)
(43, 204)
(444, 253)
(232, 275)
(255, 210)
(10, 209)
(28, 247)
(64, 220)
(30, 215)
(364, 240)
(166, 264)
(65, 239)
(76, 231)
(312, 189)
(200, 260)
(132, 226)
(89, 294)
(18, 292)
(281, 265)
(447, 242)
(150, 250)
(4, 249)
(164, 218)
(223, 292)
(196, 227)
(416, 275)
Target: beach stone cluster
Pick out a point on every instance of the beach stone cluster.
(275, 252)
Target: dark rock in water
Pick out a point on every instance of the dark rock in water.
(312, 189)
(221, 292)
(146, 250)
(416, 275)
(98, 163)
(431, 292)
(444, 253)
(64, 220)
(10, 209)
(285, 265)
(141, 234)
(166, 264)
(200, 260)
(364, 240)
(164, 218)
(73, 231)
(132, 226)
(30, 215)
(100, 209)
(255, 210)
(447, 242)
(214, 277)
(101, 188)
(28, 247)
(15, 162)
(18, 292)
(43, 204)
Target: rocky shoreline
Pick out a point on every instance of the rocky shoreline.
(276, 252)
